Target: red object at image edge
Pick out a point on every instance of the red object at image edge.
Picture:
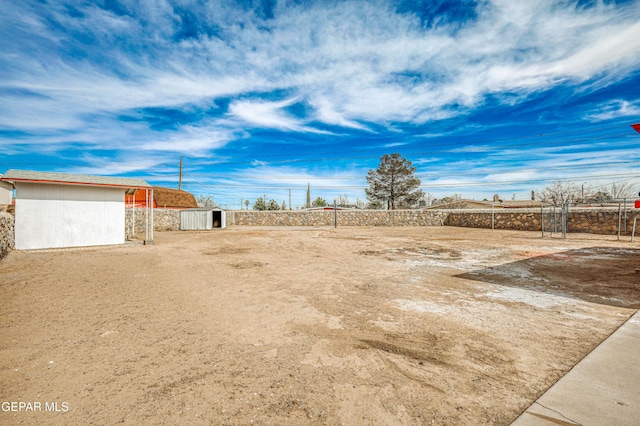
(636, 127)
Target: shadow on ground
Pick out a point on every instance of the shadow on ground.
(604, 275)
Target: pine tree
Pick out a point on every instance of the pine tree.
(393, 183)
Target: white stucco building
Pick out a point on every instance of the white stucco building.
(55, 210)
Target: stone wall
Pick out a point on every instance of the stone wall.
(595, 220)
(163, 220)
(344, 218)
(603, 220)
(7, 235)
(520, 219)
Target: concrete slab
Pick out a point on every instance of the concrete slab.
(602, 389)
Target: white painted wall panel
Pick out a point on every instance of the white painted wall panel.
(50, 216)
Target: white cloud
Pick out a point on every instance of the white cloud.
(265, 114)
(353, 62)
(357, 65)
(614, 109)
(195, 141)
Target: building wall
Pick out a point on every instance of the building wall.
(50, 216)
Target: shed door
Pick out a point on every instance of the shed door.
(219, 219)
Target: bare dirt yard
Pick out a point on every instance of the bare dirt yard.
(380, 326)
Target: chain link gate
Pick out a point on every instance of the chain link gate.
(554, 221)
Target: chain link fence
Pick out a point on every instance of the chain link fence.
(618, 219)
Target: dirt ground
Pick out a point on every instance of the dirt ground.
(353, 326)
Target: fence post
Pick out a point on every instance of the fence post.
(335, 214)
(633, 230)
(625, 216)
(619, 218)
(542, 220)
(493, 217)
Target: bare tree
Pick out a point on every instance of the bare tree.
(621, 190)
(560, 193)
(343, 200)
(206, 201)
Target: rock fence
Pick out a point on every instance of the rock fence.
(582, 220)
(7, 239)
(343, 218)
(163, 220)
(603, 220)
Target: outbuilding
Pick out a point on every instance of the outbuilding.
(54, 210)
(202, 219)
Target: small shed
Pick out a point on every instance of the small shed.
(202, 219)
(55, 210)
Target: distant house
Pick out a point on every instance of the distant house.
(6, 195)
(54, 210)
(498, 204)
(165, 198)
(330, 208)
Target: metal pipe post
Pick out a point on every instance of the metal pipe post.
(619, 219)
(493, 217)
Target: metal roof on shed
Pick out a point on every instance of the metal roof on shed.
(72, 179)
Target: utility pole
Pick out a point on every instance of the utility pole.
(289, 198)
(180, 181)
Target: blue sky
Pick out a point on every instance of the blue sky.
(259, 97)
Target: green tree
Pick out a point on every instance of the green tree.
(393, 183)
(262, 204)
(273, 205)
(319, 202)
